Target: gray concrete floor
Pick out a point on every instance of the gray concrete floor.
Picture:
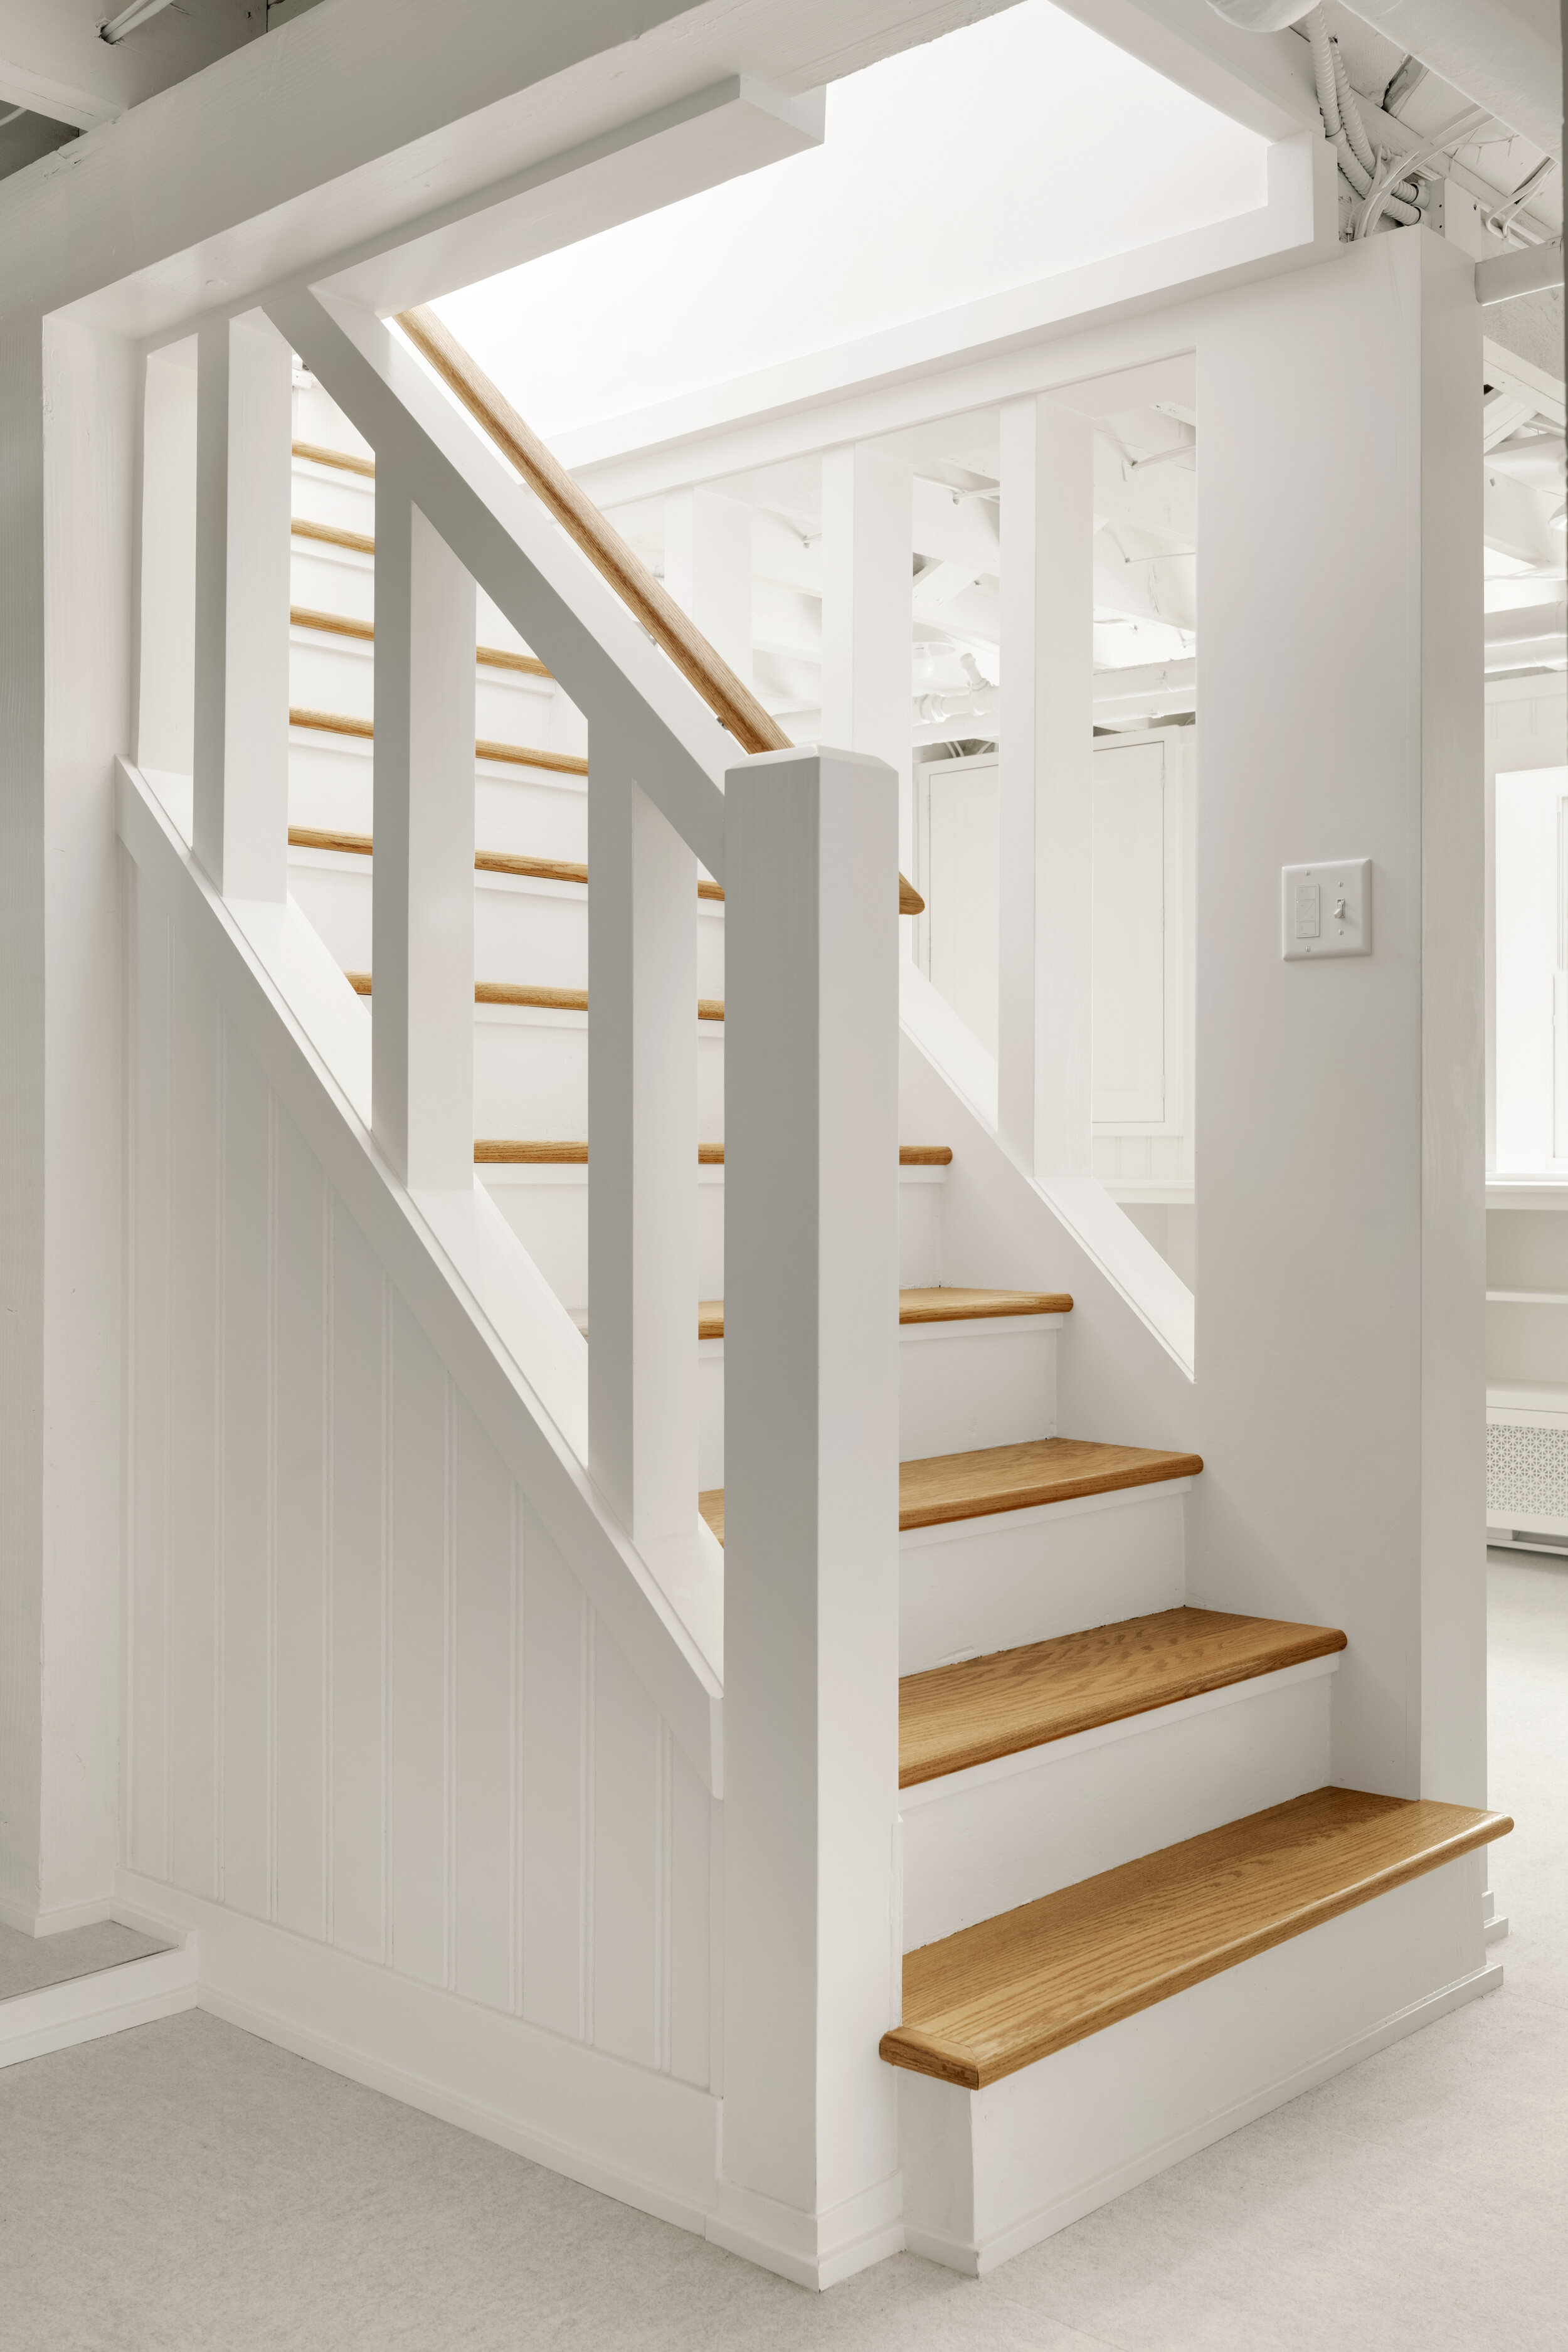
(186, 2186)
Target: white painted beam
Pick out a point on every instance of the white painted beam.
(422, 1014)
(809, 2181)
(1045, 807)
(240, 752)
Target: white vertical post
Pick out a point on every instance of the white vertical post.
(422, 921)
(811, 1557)
(1045, 811)
(642, 1135)
(708, 569)
(867, 665)
(240, 752)
(165, 700)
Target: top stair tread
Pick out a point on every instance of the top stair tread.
(946, 1487)
(997, 1996)
(948, 1304)
(952, 1718)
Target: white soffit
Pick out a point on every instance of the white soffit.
(1014, 151)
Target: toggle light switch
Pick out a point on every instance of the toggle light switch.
(1326, 910)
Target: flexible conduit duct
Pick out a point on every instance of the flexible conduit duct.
(1506, 54)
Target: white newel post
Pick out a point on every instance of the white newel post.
(422, 922)
(643, 1139)
(1046, 813)
(868, 678)
(708, 569)
(240, 754)
(809, 2173)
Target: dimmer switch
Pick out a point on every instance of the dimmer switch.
(1326, 910)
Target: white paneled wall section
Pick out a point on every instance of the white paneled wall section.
(369, 1701)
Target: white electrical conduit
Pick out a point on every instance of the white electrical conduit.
(1341, 121)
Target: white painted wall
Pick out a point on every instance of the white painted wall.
(368, 1700)
(956, 170)
(1340, 1106)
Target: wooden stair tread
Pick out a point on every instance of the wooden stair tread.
(549, 1000)
(347, 624)
(997, 1996)
(940, 1305)
(946, 1487)
(1016, 1477)
(950, 1717)
(500, 1151)
(486, 861)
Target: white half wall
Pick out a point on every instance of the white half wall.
(1339, 1109)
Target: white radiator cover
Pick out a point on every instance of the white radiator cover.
(1527, 1461)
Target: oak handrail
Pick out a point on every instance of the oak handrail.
(754, 727)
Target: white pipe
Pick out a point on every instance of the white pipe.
(1505, 275)
(128, 18)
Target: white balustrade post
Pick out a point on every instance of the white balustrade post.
(643, 1139)
(868, 666)
(422, 923)
(166, 631)
(240, 752)
(810, 2159)
(1045, 812)
(708, 569)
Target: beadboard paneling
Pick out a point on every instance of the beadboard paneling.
(193, 1389)
(368, 1700)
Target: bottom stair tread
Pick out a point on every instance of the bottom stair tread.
(997, 1996)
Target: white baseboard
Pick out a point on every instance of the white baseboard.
(810, 2250)
(975, 2260)
(27, 1921)
(525, 2088)
(84, 2008)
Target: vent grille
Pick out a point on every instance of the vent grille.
(1526, 1471)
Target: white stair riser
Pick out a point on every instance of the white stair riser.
(533, 932)
(993, 1583)
(547, 1208)
(327, 672)
(985, 1841)
(530, 1073)
(528, 812)
(986, 2173)
(988, 1383)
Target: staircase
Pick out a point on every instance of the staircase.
(1109, 1797)
(1133, 1906)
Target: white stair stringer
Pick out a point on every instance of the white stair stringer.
(971, 1586)
(983, 1841)
(509, 1345)
(988, 2173)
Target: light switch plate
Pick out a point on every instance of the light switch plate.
(1325, 910)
